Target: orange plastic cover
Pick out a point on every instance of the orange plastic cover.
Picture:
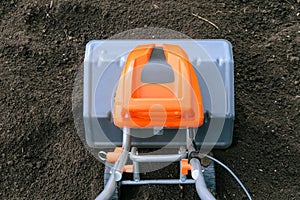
(172, 104)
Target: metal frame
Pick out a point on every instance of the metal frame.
(116, 171)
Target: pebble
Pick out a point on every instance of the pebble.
(294, 59)
(38, 164)
(268, 45)
(10, 163)
(29, 165)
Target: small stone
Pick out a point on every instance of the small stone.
(10, 163)
(29, 165)
(296, 82)
(268, 45)
(281, 190)
(38, 164)
(294, 59)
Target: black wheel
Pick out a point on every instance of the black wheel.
(117, 193)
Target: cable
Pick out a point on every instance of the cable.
(231, 172)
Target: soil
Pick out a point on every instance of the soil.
(42, 45)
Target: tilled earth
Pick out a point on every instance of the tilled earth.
(42, 46)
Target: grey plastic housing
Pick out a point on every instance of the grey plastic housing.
(103, 63)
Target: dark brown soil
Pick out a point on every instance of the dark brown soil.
(42, 44)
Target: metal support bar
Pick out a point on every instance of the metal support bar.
(182, 150)
(157, 158)
(190, 136)
(159, 182)
(124, 155)
(201, 188)
(116, 175)
(136, 167)
(196, 169)
(108, 189)
(116, 171)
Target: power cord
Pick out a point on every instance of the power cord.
(196, 154)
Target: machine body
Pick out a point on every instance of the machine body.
(162, 94)
(105, 61)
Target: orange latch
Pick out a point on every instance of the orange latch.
(185, 166)
(114, 156)
(128, 168)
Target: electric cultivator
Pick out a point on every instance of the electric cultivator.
(158, 96)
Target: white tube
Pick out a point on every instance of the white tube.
(201, 188)
(108, 189)
(116, 174)
(157, 158)
(195, 168)
(159, 182)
